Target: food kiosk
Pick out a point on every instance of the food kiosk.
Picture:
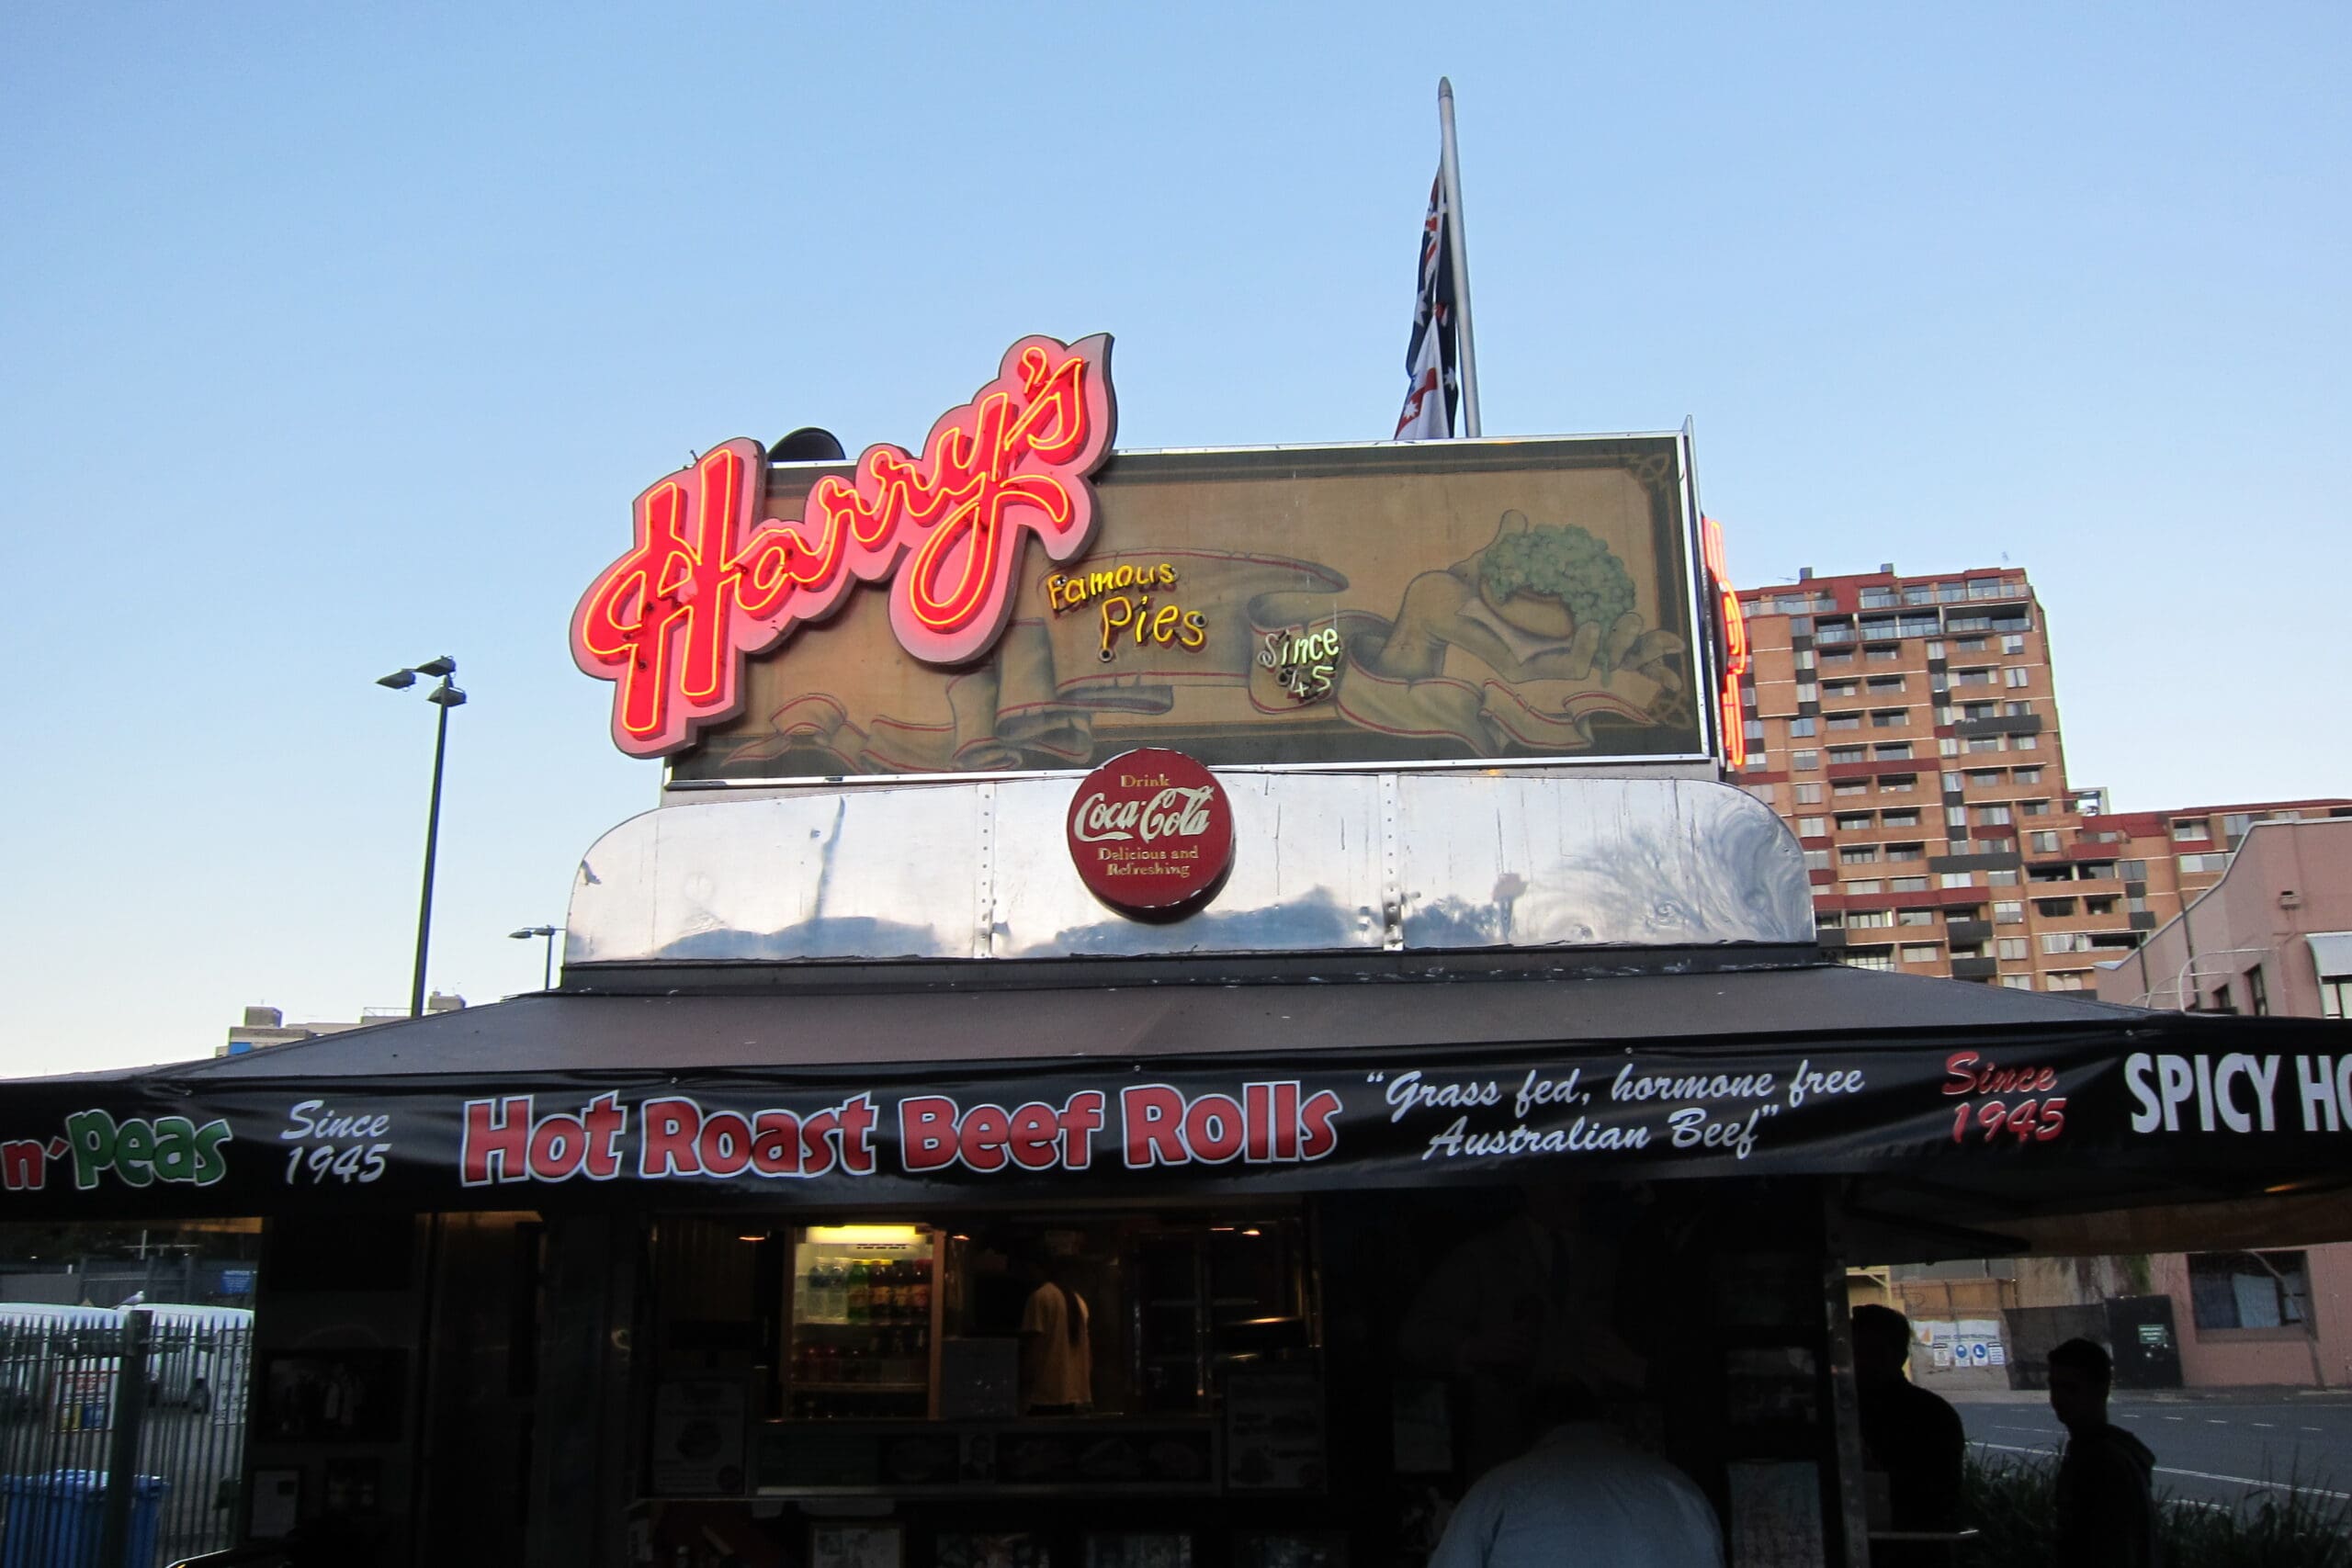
(1169, 995)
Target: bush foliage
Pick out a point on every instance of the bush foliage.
(2011, 1501)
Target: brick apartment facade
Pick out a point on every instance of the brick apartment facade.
(1907, 728)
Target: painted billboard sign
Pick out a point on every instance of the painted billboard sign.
(1392, 604)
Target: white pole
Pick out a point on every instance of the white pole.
(1450, 170)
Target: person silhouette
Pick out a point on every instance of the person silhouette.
(1910, 1435)
(2105, 1492)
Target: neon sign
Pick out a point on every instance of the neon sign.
(1730, 717)
(710, 582)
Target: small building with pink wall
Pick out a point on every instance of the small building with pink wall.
(2273, 936)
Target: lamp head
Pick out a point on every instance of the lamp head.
(399, 679)
(439, 669)
(446, 695)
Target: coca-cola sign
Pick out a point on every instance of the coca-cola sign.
(1151, 832)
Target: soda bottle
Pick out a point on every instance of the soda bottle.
(859, 1304)
(918, 1293)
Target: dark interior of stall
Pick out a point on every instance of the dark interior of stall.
(1300, 1384)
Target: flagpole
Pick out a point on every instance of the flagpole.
(1451, 170)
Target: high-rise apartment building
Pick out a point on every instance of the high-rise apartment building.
(1906, 727)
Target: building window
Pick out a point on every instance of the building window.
(1887, 654)
(1843, 721)
(1897, 784)
(1878, 598)
(1868, 958)
(2018, 982)
(2026, 775)
(1857, 854)
(1958, 879)
(1992, 816)
(2257, 993)
(2197, 865)
(1946, 745)
(2046, 841)
(1758, 760)
(2007, 878)
(2335, 995)
(1926, 954)
(1816, 859)
(1807, 693)
(1809, 795)
(1956, 816)
(2065, 942)
(1863, 919)
(1761, 792)
(2033, 809)
(2193, 830)
(2054, 909)
(1976, 675)
(2249, 1290)
(2066, 981)
(1851, 787)
(1892, 750)
(1848, 821)
(1812, 827)
(1800, 727)
(1915, 917)
(1804, 762)
(2009, 913)
(2017, 710)
(1802, 659)
(1908, 885)
(2105, 905)
(2011, 949)
(1936, 648)
(1839, 756)
(1906, 852)
(2016, 675)
(1838, 690)
(2012, 643)
(1746, 696)
(1868, 884)
(2132, 870)
(2028, 742)
(1886, 682)
(1753, 729)
(1890, 718)
(1900, 818)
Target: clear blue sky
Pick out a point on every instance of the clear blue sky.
(334, 337)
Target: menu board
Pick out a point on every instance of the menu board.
(1273, 1431)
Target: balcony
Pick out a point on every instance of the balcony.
(1962, 933)
(2000, 724)
(1974, 969)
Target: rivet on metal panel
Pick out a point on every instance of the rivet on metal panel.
(984, 893)
(1392, 893)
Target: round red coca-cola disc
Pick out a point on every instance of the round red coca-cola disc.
(1150, 832)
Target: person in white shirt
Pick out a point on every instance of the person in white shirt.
(1056, 1350)
(1581, 1494)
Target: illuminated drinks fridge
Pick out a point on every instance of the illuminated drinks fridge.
(863, 1322)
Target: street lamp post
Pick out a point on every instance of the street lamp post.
(547, 976)
(443, 697)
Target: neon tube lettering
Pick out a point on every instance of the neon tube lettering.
(707, 583)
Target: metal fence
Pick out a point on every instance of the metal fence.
(121, 1442)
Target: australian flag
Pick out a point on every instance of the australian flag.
(1430, 358)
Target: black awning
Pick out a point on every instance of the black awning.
(1957, 1100)
(800, 1029)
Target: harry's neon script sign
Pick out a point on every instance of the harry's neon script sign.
(708, 582)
